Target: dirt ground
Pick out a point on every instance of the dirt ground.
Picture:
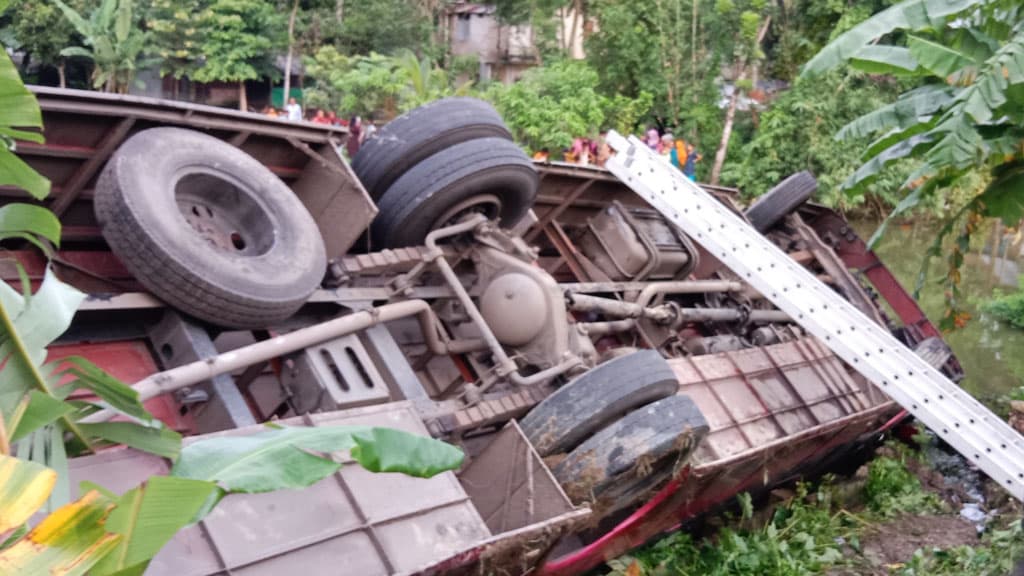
(888, 545)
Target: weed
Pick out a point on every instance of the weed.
(892, 489)
(803, 537)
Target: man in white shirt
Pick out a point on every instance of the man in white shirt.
(294, 110)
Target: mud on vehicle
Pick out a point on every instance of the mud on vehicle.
(606, 377)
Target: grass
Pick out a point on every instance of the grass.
(810, 534)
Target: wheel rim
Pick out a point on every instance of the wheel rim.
(487, 204)
(223, 213)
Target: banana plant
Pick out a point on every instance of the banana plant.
(965, 116)
(20, 119)
(113, 41)
(105, 534)
(425, 81)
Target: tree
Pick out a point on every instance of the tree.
(291, 46)
(382, 26)
(177, 30)
(241, 35)
(42, 32)
(359, 85)
(551, 105)
(662, 48)
(966, 115)
(796, 134)
(425, 81)
(113, 41)
(750, 28)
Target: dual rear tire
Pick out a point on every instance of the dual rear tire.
(439, 163)
(617, 432)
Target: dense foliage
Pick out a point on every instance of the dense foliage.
(796, 134)
(802, 537)
(111, 39)
(812, 533)
(1008, 307)
(963, 116)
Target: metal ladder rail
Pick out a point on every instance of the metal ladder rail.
(959, 419)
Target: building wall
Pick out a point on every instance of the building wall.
(505, 52)
(474, 34)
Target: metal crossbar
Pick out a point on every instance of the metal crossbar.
(974, 431)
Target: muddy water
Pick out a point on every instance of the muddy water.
(991, 352)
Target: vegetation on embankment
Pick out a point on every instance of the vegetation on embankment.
(884, 521)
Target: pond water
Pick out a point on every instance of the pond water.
(990, 351)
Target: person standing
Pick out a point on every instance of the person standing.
(321, 117)
(355, 136)
(604, 151)
(668, 143)
(653, 141)
(294, 110)
(690, 166)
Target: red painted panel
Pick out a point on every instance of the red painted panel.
(128, 361)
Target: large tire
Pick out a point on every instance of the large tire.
(597, 398)
(208, 229)
(619, 466)
(418, 134)
(424, 197)
(778, 202)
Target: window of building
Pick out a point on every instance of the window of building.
(462, 27)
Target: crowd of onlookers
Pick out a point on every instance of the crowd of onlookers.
(358, 130)
(595, 151)
(584, 150)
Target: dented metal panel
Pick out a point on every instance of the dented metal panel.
(368, 523)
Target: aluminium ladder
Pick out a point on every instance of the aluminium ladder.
(963, 422)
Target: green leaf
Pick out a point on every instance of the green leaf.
(907, 15)
(871, 169)
(277, 459)
(81, 25)
(29, 219)
(24, 487)
(48, 313)
(42, 410)
(148, 517)
(884, 60)
(77, 51)
(123, 24)
(958, 144)
(160, 441)
(16, 134)
(390, 450)
(1004, 197)
(68, 542)
(912, 107)
(115, 393)
(18, 106)
(26, 328)
(896, 135)
(15, 172)
(14, 536)
(936, 58)
(57, 458)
